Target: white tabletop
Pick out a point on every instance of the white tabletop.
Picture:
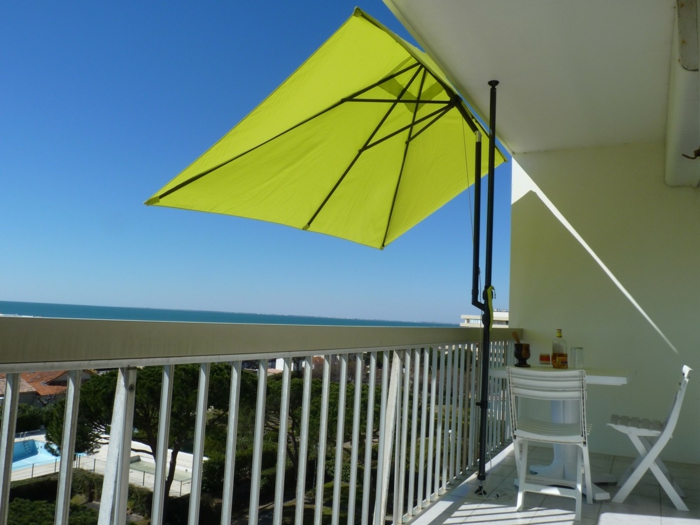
(594, 376)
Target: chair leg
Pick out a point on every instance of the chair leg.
(658, 464)
(579, 482)
(518, 462)
(587, 474)
(648, 461)
(521, 467)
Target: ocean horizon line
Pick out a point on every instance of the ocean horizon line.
(79, 311)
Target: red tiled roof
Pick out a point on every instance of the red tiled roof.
(48, 390)
(24, 387)
(40, 382)
(42, 377)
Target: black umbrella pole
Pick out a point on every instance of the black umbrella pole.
(486, 317)
(477, 224)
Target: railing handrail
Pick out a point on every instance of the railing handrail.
(72, 344)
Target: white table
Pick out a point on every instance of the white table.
(564, 464)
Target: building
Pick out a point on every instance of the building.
(500, 319)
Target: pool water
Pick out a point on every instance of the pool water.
(30, 452)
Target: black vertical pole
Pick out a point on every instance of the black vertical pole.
(477, 224)
(486, 311)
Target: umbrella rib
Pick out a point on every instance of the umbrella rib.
(403, 160)
(333, 106)
(222, 164)
(442, 112)
(364, 147)
(439, 112)
(403, 101)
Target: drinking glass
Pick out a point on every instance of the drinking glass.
(577, 357)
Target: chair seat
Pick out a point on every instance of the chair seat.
(537, 430)
(636, 426)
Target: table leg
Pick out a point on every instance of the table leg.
(563, 465)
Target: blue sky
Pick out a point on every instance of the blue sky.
(102, 103)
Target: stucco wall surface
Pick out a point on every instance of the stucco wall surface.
(603, 249)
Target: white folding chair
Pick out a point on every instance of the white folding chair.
(566, 386)
(649, 438)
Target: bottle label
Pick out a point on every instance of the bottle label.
(560, 360)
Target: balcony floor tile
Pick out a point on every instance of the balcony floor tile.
(646, 505)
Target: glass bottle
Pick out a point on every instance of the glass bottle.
(560, 353)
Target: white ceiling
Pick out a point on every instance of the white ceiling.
(573, 73)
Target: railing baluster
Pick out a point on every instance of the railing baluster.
(497, 397)
(397, 440)
(257, 443)
(200, 427)
(448, 412)
(431, 422)
(352, 491)
(505, 386)
(423, 422)
(369, 441)
(340, 439)
(460, 411)
(414, 431)
(382, 433)
(489, 419)
(282, 442)
(473, 426)
(453, 419)
(7, 442)
(438, 438)
(322, 436)
(116, 479)
(231, 438)
(166, 396)
(404, 435)
(303, 443)
(70, 425)
(385, 457)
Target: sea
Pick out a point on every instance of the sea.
(79, 311)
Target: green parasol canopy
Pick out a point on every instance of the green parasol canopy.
(366, 139)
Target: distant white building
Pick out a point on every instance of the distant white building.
(500, 319)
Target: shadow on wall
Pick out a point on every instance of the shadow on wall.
(603, 253)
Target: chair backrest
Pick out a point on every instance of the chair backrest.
(547, 385)
(672, 417)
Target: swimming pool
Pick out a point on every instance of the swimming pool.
(31, 452)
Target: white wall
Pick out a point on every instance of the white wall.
(647, 237)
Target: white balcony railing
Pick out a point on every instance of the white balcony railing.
(426, 379)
